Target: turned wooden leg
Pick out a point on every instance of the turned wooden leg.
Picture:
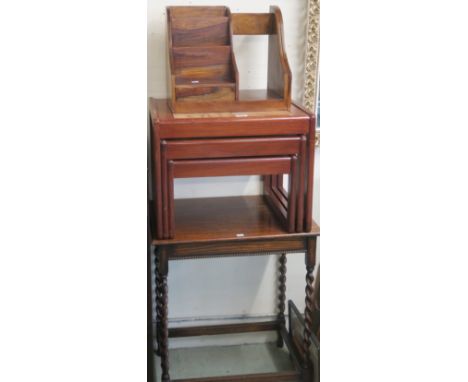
(164, 342)
(309, 305)
(164, 334)
(149, 317)
(308, 311)
(281, 296)
(158, 292)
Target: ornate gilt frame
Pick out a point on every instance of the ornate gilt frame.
(312, 58)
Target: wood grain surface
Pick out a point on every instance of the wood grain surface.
(232, 148)
(205, 220)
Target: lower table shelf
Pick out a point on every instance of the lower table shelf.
(227, 218)
(231, 363)
(259, 362)
(250, 362)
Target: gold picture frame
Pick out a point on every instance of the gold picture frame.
(312, 55)
(312, 59)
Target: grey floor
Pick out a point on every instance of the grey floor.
(226, 360)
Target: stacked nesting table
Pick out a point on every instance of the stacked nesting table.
(266, 143)
(226, 144)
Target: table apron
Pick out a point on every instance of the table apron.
(235, 248)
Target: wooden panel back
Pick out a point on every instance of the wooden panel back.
(186, 57)
(197, 11)
(192, 64)
(192, 31)
(279, 73)
(203, 74)
(253, 23)
(211, 92)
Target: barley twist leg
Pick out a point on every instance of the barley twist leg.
(164, 346)
(281, 296)
(308, 311)
(158, 297)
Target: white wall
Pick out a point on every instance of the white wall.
(231, 288)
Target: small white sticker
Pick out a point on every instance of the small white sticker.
(195, 82)
(240, 235)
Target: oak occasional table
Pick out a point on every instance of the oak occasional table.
(203, 230)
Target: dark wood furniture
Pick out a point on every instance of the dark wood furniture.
(268, 143)
(151, 370)
(210, 127)
(223, 144)
(235, 226)
(203, 70)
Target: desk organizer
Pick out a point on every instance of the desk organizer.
(203, 70)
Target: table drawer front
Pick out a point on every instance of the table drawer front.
(231, 148)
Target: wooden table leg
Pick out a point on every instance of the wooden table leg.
(301, 191)
(164, 343)
(156, 178)
(309, 305)
(170, 197)
(266, 184)
(281, 296)
(150, 340)
(165, 198)
(158, 292)
(292, 199)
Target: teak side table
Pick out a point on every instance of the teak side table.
(267, 143)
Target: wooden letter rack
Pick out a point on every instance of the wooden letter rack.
(203, 69)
